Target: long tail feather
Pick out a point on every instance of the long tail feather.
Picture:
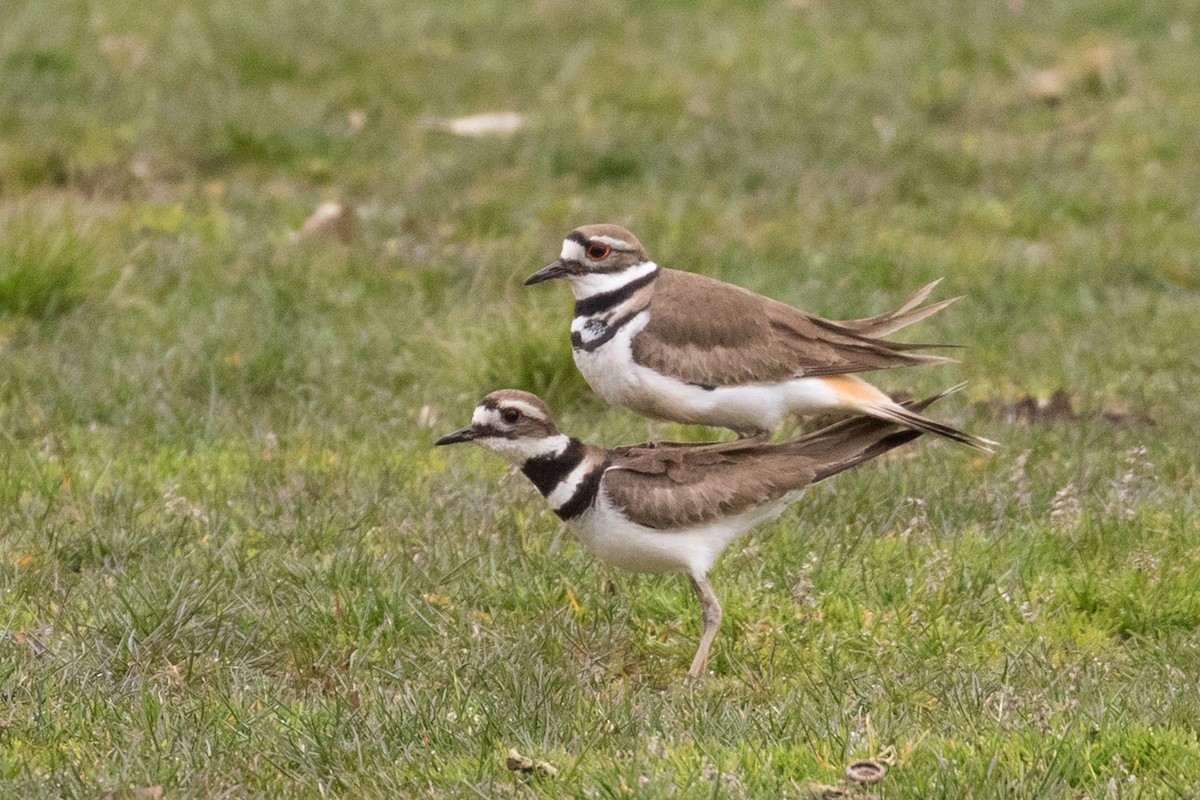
(910, 419)
(851, 442)
(867, 425)
(848, 443)
(902, 317)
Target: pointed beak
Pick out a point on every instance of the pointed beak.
(549, 272)
(461, 435)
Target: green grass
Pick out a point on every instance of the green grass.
(43, 267)
(232, 564)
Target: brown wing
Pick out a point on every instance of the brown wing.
(716, 334)
(673, 485)
(681, 485)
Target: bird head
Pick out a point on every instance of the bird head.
(591, 255)
(515, 425)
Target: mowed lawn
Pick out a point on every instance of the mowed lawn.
(233, 565)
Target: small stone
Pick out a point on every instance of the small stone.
(330, 221)
(1048, 86)
(500, 123)
(515, 762)
(868, 771)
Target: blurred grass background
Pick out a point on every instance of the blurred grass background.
(233, 565)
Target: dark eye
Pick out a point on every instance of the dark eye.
(510, 415)
(598, 250)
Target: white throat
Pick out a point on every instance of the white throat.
(518, 451)
(584, 286)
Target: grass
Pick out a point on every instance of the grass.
(232, 564)
(42, 270)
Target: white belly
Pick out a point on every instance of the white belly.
(613, 374)
(636, 548)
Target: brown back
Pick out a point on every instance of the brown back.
(708, 332)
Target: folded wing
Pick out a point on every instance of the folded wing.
(716, 334)
(667, 486)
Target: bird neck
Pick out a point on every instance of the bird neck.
(569, 479)
(601, 291)
(599, 316)
(518, 450)
(549, 469)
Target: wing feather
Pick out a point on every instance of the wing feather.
(681, 486)
(717, 334)
(675, 485)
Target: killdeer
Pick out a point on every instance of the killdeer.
(670, 507)
(687, 348)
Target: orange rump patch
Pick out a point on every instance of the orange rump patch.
(854, 390)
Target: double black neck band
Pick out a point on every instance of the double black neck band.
(599, 303)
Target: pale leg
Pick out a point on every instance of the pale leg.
(710, 618)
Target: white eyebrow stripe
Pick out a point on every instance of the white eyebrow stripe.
(526, 409)
(571, 251)
(620, 244)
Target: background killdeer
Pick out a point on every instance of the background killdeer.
(667, 507)
(687, 348)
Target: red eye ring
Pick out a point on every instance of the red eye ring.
(510, 415)
(598, 250)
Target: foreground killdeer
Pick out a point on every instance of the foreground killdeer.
(687, 348)
(666, 507)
